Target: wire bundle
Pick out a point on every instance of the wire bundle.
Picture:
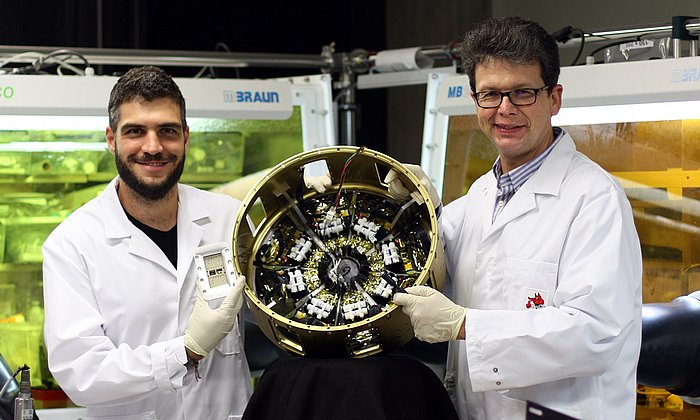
(42, 62)
(342, 174)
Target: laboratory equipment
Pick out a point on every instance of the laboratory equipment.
(321, 268)
(214, 266)
(24, 403)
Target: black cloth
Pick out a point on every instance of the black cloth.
(670, 353)
(389, 387)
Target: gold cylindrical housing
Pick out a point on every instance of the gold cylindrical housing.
(321, 267)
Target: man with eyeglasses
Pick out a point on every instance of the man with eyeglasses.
(542, 252)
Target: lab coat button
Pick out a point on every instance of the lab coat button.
(495, 370)
(498, 383)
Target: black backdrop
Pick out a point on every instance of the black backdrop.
(243, 26)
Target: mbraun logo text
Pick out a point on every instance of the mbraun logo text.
(7, 92)
(454, 92)
(251, 96)
(685, 75)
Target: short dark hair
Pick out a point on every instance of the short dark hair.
(146, 83)
(513, 39)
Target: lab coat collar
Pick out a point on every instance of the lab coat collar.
(192, 217)
(117, 225)
(547, 180)
(191, 211)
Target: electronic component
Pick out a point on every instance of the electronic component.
(359, 269)
(214, 268)
(325, 266)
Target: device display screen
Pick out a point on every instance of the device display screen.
(216, 272)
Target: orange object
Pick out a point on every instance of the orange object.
(14, 319)
(50, 398)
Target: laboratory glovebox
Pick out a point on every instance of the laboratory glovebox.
(54, 158)
(639, 120)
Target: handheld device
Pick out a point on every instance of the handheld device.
(214, 267)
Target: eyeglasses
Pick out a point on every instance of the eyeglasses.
(519, 97)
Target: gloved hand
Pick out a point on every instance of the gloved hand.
(434, 317)
(207, 327)
(397, 189)
(318, 183)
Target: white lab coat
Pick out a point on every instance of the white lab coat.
(567, 237)
(116, 312)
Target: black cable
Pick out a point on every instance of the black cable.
(565, 34)
(580, 48)
(14, 376)
(299, 193)
(344, 172)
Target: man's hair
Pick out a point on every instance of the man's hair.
(515, 40)
(145, 84)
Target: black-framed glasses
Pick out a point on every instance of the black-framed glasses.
(519, 97)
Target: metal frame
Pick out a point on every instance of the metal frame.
(314, 95)
(173, 58)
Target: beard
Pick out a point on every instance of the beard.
(148, 191)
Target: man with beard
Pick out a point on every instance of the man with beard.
(127, 333)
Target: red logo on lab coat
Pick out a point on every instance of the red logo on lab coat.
(535, 302)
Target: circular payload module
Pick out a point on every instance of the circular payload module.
(322, 268)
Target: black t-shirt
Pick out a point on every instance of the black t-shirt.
(166, 240)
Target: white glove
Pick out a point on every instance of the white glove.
(397, 189)
(318, 183)
(434, 317)
(207, 327)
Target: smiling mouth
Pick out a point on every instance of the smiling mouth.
(507, 127)
(152, 163)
